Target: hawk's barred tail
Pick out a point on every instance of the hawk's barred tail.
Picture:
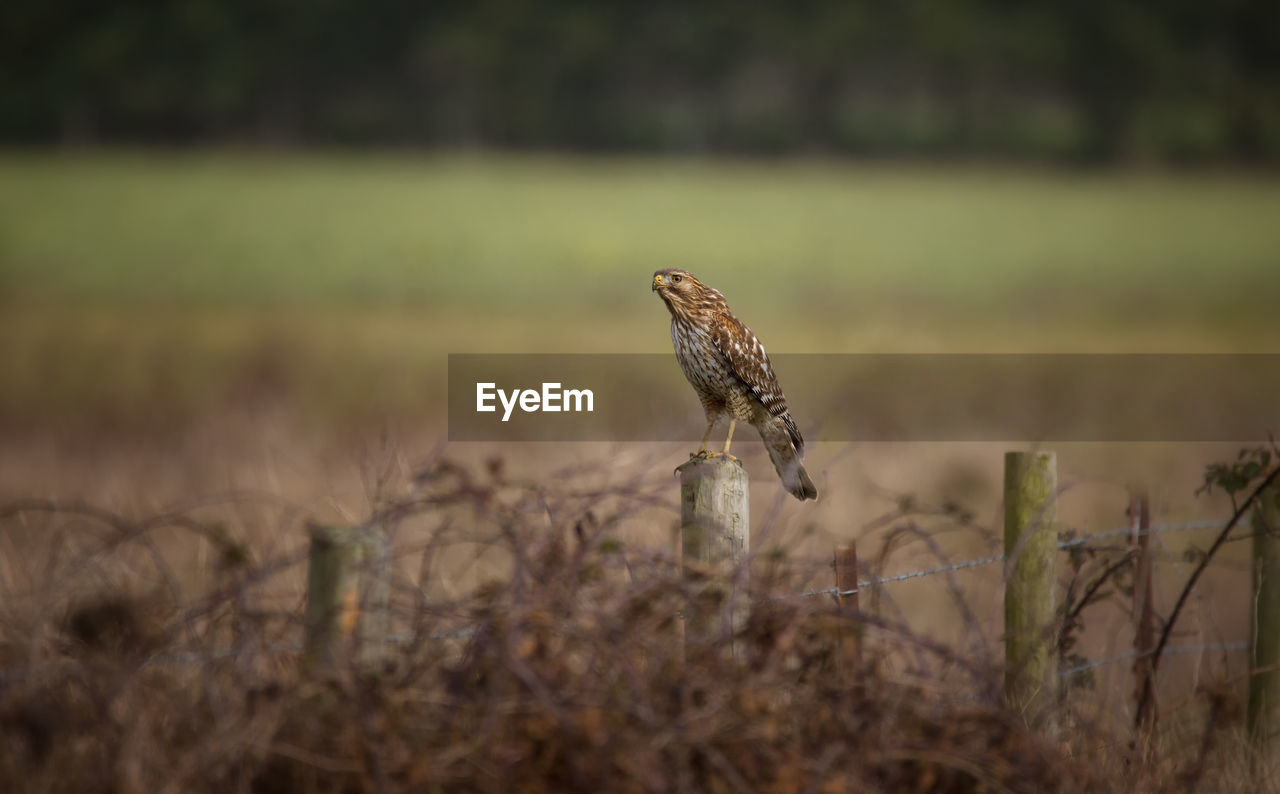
(786, 459)
(806, 489)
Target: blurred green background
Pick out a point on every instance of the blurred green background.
(205, 206)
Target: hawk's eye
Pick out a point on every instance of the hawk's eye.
(675, 279)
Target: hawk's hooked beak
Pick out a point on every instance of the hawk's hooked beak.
(658, 283)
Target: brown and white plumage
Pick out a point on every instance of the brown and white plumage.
(728, 367)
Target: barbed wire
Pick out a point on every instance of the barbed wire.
(1072, 543)
(899, 577)
(1188, 526)
(1174, 651)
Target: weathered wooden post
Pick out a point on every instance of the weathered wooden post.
(1263, 715)
(348, 587)
(1143, 614)
(846, 564)
(1031, 550)
(715, 536)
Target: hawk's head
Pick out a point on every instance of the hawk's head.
(683, 293)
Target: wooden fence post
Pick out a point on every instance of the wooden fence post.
(348, 588)
(715, 536)
(1263, 716)
(1031, 550)
(846, 564)
(1143, 615)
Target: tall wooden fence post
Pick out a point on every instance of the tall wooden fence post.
(1031, 550)
(1263, 714)
(1143, 615)
(715, 538)
(348, 589)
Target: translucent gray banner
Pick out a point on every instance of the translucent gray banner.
(881, 397)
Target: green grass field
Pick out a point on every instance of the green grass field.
(115, 266)
(525, 233)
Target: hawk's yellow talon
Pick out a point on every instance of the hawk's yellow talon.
(702, 455)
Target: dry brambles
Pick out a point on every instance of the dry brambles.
(564, 670)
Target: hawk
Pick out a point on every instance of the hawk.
(727, 366)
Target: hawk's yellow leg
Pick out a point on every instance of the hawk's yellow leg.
(702, 449)
(733, 422)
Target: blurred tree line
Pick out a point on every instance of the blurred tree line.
(1181, 80)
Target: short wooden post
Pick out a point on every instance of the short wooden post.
(1031, 550)
(715, 538)
(348, 587)
(1143, 613)
(846, 564)
(1263, 715)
